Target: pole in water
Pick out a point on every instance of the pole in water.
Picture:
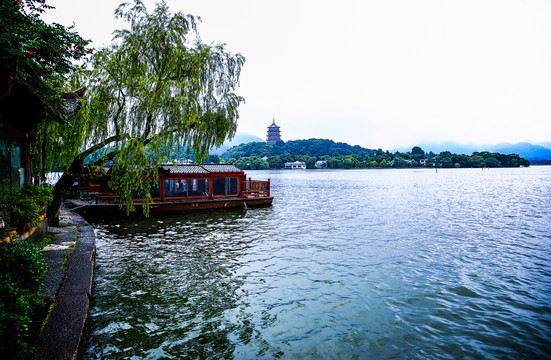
(244, 205)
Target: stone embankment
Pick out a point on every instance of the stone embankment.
(70, 259)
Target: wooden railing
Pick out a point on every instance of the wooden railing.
(255, 188)
(107, 199)
(249, 188)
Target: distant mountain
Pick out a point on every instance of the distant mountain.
(438, 147)
(239, 138)
(524, 149)
(544, 144)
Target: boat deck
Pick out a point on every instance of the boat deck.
(181, 205)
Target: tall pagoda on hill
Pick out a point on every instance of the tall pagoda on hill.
(273, 133)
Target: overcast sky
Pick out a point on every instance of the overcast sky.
(383, 73)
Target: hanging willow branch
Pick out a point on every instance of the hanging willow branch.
(156, 90)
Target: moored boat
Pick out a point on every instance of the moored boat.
(183, 188)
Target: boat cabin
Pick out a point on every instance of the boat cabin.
(206, 181)
(194, 182)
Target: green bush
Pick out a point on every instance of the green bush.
(24, 260)
(19, 210)
(42, 195)
(22, 270)
(24, 206)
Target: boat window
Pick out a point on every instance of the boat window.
(198, 187)
(154, 191)
(175, 188)
(231, 186)
(218, 186)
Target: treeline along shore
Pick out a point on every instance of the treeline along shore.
(323, 153)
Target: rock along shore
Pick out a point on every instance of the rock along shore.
(63, 334)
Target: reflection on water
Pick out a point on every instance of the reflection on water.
(345, 264)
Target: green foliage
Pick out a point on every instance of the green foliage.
(22, 270)
(18, 210)
(477, 161)
(416, 150)
(42, 195)
(492, 162)
(344, 156)
(251, 163)
(213, 159)
(313, 147)
(501, 160)
(158, 82)
(399, 162)
(21, 207)
(23, 260)
(125, 182)
(35, 54)
(5, 189)
(157, 89)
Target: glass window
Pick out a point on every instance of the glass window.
(175, 188)
(17, 170)
(198, 187)
(231, 186)
(218, 186)
(5, 160)
(154, 191)
(11, 163)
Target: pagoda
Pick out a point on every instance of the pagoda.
(273, 133)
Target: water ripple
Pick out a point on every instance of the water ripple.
(395, 264)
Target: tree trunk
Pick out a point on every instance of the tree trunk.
(60, 189)
(74, 172)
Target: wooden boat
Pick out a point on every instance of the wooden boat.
(184, 188)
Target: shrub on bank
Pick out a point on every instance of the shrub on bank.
(22, 270)
(21, 208)
(41, 195)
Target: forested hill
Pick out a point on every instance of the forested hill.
(261, 155)
(311, 147)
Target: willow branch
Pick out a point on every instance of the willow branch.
(77, 163)
(107, 157)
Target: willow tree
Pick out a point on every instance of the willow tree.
(155, 89)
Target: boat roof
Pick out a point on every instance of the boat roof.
(222, 168)
(202, 169)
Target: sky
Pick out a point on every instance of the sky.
(379, 74)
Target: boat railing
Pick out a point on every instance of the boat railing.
(256, 188)
(105, 198)
(250, 188)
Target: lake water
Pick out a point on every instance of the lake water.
(346, 264)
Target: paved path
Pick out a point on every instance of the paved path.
(63, 334)
(55, 253)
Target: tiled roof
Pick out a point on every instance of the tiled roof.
(72, 105)
(185, 169)
(205, 169)
(222, 168)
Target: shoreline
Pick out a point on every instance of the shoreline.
(63, 334)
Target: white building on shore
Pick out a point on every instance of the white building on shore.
(295, 165)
